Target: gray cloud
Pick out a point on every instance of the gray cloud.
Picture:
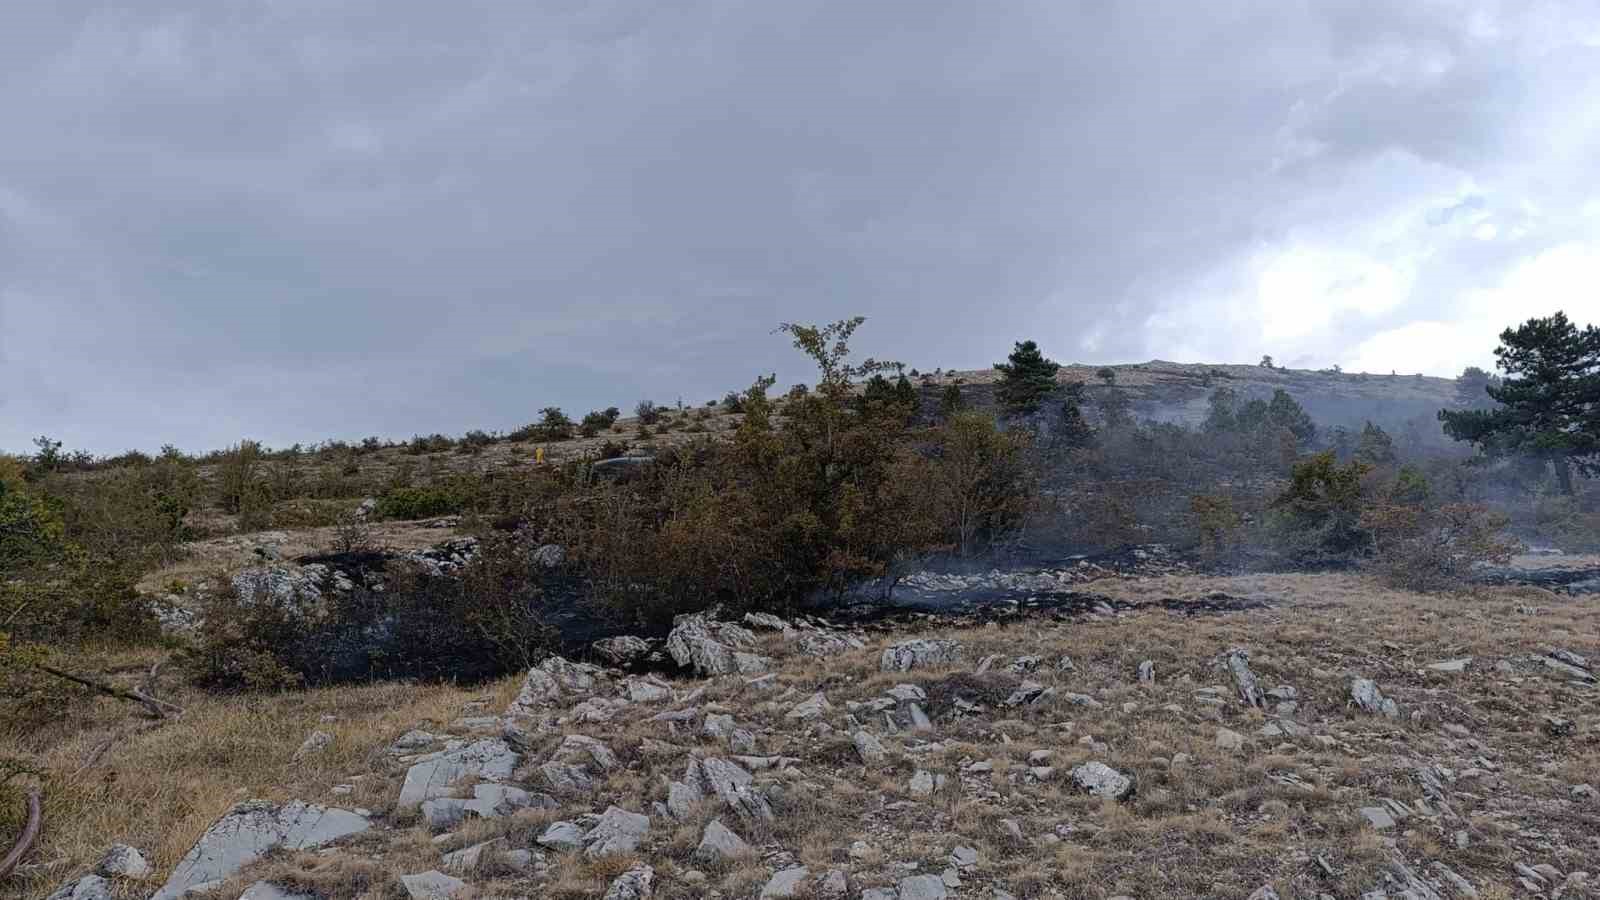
(299, 220)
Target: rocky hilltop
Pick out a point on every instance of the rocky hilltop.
(1177, 392)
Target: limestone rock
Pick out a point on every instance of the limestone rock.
(1101, 780)
(923, 887)
(251, 830)
(432, 885)
(920, 653)
(617, 831)
(122, 861)
(638, 883)
(1237, 662)
(868, 747)
(89, 887)
(622, 652)
(700, 643)
(1366, 696)
(434, 775)
(718, 844)
(786, 884)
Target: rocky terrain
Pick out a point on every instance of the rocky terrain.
(1175, 736)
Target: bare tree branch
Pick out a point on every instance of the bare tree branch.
(157, 707)
(30, 833)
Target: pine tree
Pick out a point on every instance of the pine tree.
(1026, 379)
(1549, 400)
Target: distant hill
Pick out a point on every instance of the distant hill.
(1178, 392)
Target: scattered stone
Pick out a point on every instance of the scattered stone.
(89, 887)
(562, 837)
(920, 653)
(1147, 672)
(1576, 673)
(1378, 817)
(1229, 740)
(1101, 780)
(123, 861)
(1451, 666)
(718, 844)
(810, 708)
(617, 831)
(1265, 892)
(1366, 696)
(1028, 692)
(964, 857)
(316, 743)
(432, 885)
(868, 747)
(467, 859)
(1237, 661)
(787, 883)
(638, 883)
(489, 801)
(922, 887)
(698, 642)
(249, 831)
(623, 652)
(1557, 726)
(834, 885)
(436, 774)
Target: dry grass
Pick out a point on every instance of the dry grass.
(1204, 822)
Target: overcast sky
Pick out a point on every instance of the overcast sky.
(304, 219)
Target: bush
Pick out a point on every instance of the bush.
(418, 503)
(434, 443)
(1433, 548)
(488, 621)
(978, 482)
(648, 412)
(241, 488)
(1218, 526)
(1318, 516)
(733, 402)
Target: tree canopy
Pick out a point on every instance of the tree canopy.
(1549, 399)
(1026, 378)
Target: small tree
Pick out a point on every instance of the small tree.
(1074, 431)
(1376, 447)
(554, 424)
(1026, 379)
(1283, 411)
(648, 412)
(1266, 362)
(951, 401)
(1319, 514)
(980, 483)
(1107, 374)
(1223, 414)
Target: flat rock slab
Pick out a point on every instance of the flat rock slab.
(434, 775)
(432, 885)
(89, 887)
(251, 830)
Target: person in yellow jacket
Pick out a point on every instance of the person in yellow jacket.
(538, 456)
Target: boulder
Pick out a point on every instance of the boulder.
(1101, 780)
(251, 830)
(555, 682)
(624, 651)
(436, 774)
(562, 837)
(718, 845)
(1366, 696)
(868, 747)
(786, 884)
(700, 643)
(549, 556)
(920, 653)
(266, 890)
(617, 831)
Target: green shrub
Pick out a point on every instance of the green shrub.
(418, 503)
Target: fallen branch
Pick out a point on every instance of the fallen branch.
(30, 833)
(157, 707)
